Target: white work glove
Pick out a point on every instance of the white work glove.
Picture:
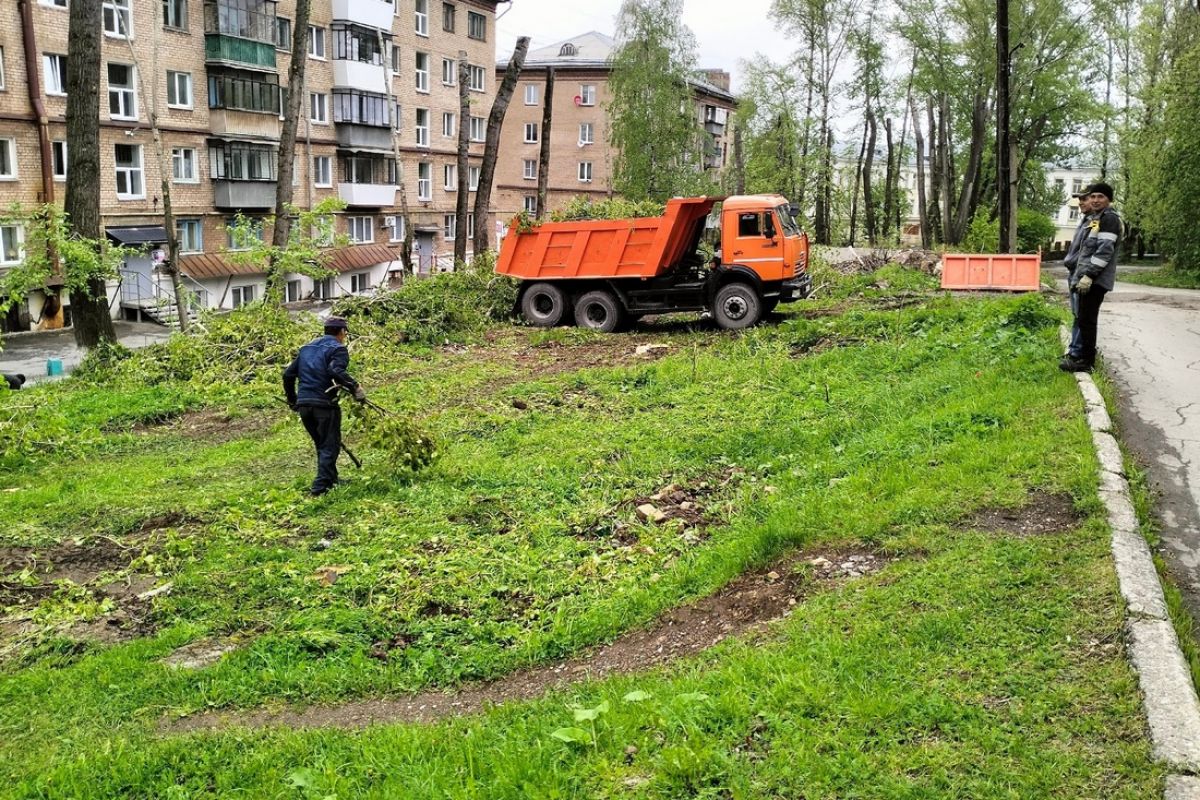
(1083, 285)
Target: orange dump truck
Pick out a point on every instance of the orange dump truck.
(603, 273)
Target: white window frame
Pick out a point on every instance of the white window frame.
(316, 34)
(58, 155)
(449, 226)
(422, 131)
(449, 72)
(54, 66)
(241, 295)
(394, 55)
(531, 204)
(475, 16)
(396, 228)
(587, 94)
(178, 159)
(318, 108)
(531, 94)
(325, 171)
(118, 11)
(530, 170)
(421, 74)
(361, 229)
(449, 123)
(131, 172)
(474, 71)
(585, 171)
(128, 93)
(472, 177)
(421, 12)
(478, 130)
(424, 181)
(16, 235)
(54, 4)
(175, 81)
(2, 86)
(190, 224)
(450, 177)
(296, 295)
(360, 282)
(180, 24)
(589, 129)
(9, 146)
(531, 133)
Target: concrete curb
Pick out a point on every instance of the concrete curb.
(1169, 696)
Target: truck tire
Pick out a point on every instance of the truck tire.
(543, 305)
(599, 310)
(737, 306)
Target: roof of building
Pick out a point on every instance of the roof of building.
(348, 259)
(343, 259)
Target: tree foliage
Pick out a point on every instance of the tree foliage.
(311, 238)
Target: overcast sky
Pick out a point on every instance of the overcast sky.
(724, 32)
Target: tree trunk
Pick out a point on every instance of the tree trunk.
(487, 170)
(934, 212)
(464, 144)
(919, 142)
(946, 156)
(287, 148)
(889, 182)
(739, 163)
(543, 174)
(89, 305)
(394, 121)
(868, 166)
(966, 199)
(1003, 133)
(858, 171)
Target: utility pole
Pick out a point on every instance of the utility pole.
(1003, 133)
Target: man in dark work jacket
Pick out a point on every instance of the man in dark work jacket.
(320, 367)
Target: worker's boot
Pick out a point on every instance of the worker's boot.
(1072, 364)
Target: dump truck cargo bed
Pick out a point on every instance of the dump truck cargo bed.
(604, 249)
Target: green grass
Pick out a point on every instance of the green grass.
(1168, 277)
(969, 668)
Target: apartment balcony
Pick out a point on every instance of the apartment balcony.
(367, 195)
(244, 124)
(372, 13)
(353, 74)
(714, 127)
(363, 137)
(240, 32)
(250, 195)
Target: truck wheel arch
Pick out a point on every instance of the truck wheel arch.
(731, 273)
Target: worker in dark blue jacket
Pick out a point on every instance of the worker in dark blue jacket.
(320, 368)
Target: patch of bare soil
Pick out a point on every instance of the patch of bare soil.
(745, 604)
(209, 425)
(200, 654)
(1043, 514)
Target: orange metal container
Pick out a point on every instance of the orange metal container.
(622, 248)
(1005, 272)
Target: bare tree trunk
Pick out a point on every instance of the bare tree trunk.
(543, 175)
(394, 117)
(966, 198)
(946, 157)
(491, 149)
(287, 147)
(934, 212)
(89, 305)
(739, 163)
(922, 210)
(464, 144)
(858, 171)
(889, 181)
(868, 166)
(1008, 233)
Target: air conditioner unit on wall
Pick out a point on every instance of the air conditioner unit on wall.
(389, 222)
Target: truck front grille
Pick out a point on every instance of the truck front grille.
(801, 263)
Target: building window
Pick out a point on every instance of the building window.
(11, 238)
(8, 159)
(360, 108)
(244, 91)
(190, 236)
(476, 78)
(395, 225)
(183, 165)
(568, 50)
(448, 126)
(53, 3)
(115, 14)
(1077, 186)
(449, 226)
(424, 181)
(55, 70)
(394, 57)
(366, 168)
(472, 179)
(58, 154)
(360, 282)
(422, 9)
(422, 72)
(179, 89)
(531, 94)
(235, 161)
(241, 296)
(449, 72)
(362, 229)
(246, 236)
(448, 17)
(478, 129)
(122, 101)
(1, 68)
(1073, 213)
(422, 127)
(128, 160)
(476, 26)
(586, 133)
(530, 204)
(587, 95)
(585, 171)
(175, 14)
(318, 108)
(450, 177)
(530, 169)
(316, 42)
(531, 133)
(323, 289)
(293, 292)
(322, 171)
(283, 33)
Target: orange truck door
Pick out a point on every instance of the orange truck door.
(747, 243)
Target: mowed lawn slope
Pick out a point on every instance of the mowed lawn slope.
(975, 664)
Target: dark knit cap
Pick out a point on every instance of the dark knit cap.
(1100, 188)
(336, 323)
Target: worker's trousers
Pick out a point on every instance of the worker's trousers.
(1083, 333)
(324, 425)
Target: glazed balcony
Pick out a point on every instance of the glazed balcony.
(240, 32)
(371, 13)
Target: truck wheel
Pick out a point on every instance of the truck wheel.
(543, 305)
(599, 311)
(737, 306)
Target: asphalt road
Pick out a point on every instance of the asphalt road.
(27, 353)
(1149, 339)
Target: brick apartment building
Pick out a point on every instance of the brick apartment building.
(217, 70)
(581, 157)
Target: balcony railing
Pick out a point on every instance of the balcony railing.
(244, 94)
(245, 19)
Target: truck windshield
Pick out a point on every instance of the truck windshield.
(790, 228)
